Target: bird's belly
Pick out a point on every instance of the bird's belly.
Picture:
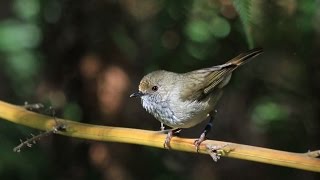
(183, 116)
(177, 114)
(184, 121)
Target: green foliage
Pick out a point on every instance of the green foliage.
(244, 9)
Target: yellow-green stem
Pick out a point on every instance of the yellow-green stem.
(19, 115)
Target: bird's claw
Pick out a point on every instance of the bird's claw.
(170, 134)
(198, 142)
(33, 107)
(216, 151)
(166, 143)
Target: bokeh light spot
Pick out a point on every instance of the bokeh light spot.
(90, 66)
(99, 155)
(57, 98)
(26, 9)
(142, 9)
(198, 31)
(220, 27)
(267, 112)
(15, 36)
(112, 84)
(23, 65)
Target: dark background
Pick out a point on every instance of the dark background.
(85, 58)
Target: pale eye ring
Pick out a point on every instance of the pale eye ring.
(154, 88)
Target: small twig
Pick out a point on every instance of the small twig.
(58, 127)
(34, 139)
(31, 141)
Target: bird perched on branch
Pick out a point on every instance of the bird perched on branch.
(183, 100)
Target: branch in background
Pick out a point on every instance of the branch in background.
(16, 114)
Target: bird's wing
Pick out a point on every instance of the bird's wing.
(204, 81)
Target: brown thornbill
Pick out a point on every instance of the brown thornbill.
(183, 100)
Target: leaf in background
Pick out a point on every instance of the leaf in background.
(243, 7)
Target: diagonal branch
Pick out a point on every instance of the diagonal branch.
(16, 114)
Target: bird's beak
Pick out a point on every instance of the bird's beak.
(137, 94)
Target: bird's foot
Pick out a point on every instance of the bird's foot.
(166, 144)
(216, 151)
(170, 134)
(199, 141)
(33, 107)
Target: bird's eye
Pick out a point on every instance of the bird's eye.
(154, 88)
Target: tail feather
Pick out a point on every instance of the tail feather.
(222, 76)
(244, 57)
(215, 77)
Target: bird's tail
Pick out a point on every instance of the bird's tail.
(244, 57)
(221, 74)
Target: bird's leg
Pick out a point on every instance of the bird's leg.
(170, 134)
(162, 127)
(205, 131)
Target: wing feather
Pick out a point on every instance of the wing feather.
(205, 81)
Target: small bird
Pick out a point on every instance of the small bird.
(183, 100)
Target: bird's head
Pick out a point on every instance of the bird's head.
(153, 84)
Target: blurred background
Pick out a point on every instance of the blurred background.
(85, 58)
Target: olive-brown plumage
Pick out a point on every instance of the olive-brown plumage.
(183, 100)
